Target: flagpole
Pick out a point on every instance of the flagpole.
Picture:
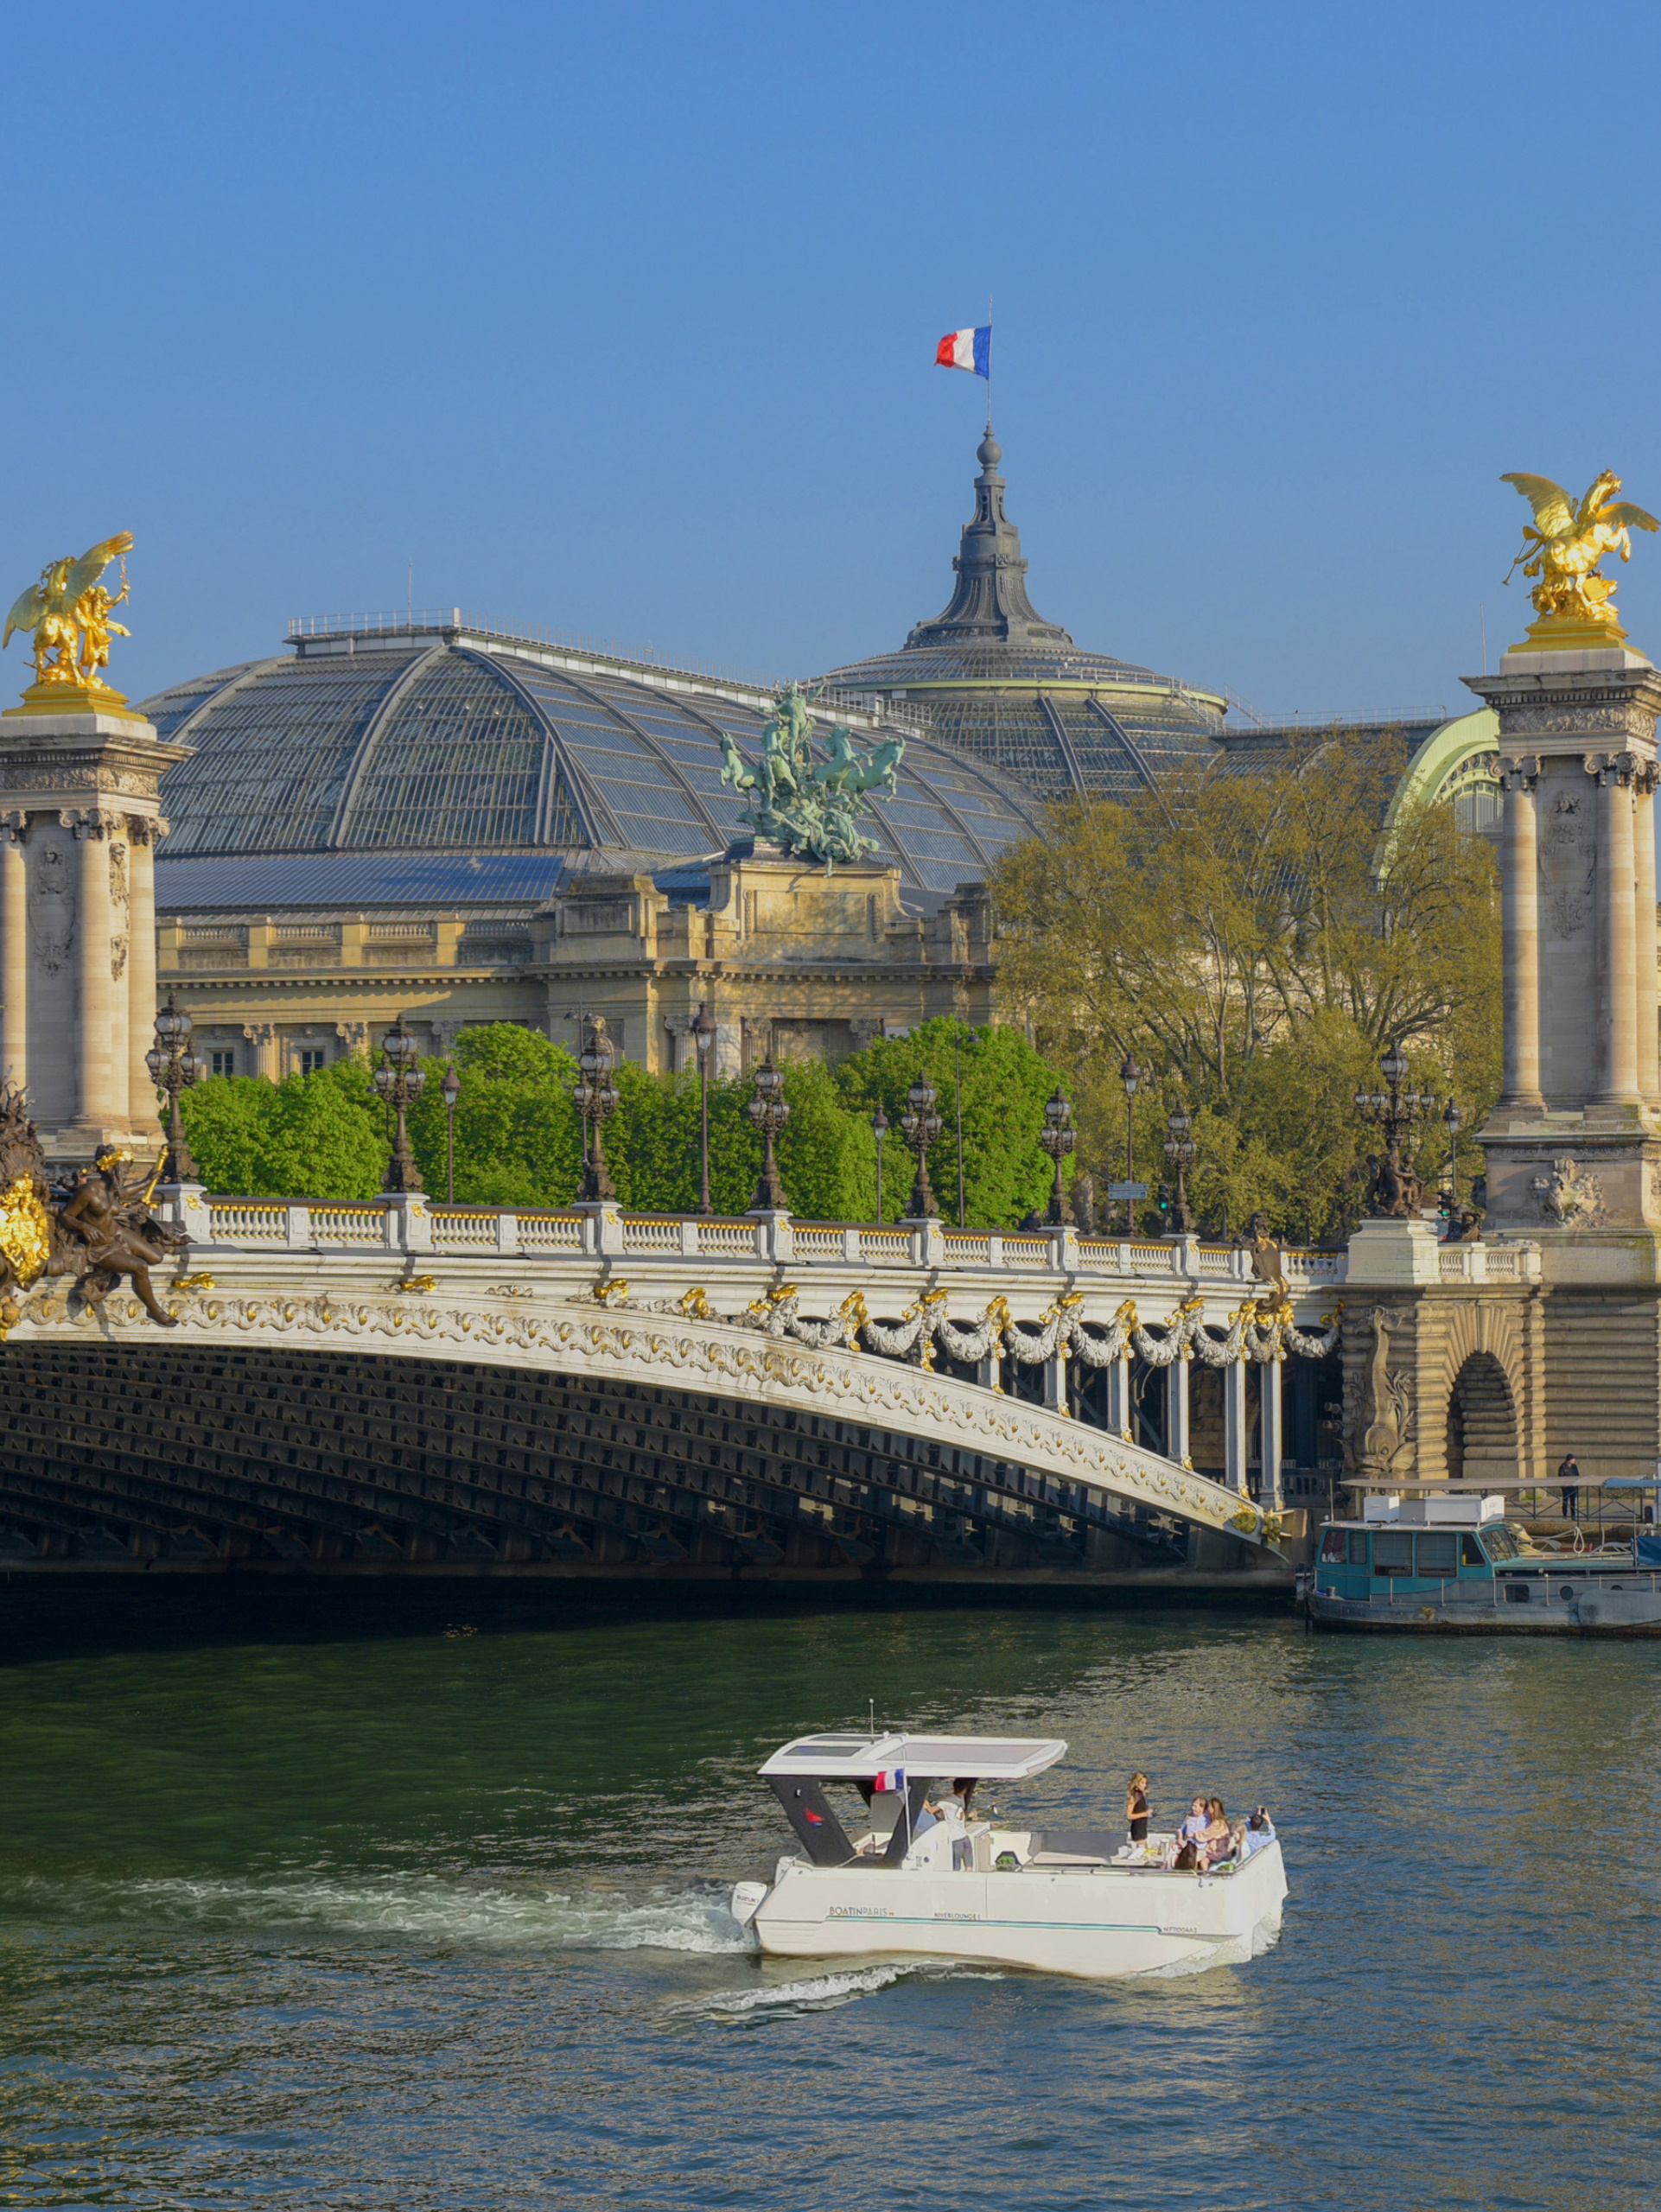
(988, 365)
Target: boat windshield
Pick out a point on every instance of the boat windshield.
(1504, 1540)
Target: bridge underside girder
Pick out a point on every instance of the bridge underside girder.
(223, 1454)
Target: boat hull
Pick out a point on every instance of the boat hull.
(1097, 1924)
(1600, 1608)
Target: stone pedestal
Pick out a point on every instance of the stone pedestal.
(1573, 1146)
(79, 819)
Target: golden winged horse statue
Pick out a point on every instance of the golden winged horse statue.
(1565, 544)
(67, 615)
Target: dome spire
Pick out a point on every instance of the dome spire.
(989, 603)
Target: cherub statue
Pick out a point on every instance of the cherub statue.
(1566, 542)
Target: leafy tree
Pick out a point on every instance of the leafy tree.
(1258, 942)
(306, 1137)
(518, 1138)
(1007, 1174)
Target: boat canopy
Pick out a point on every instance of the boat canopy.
(858, 1755)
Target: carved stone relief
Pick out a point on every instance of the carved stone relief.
(1568, 1196)
(117, 909)
(1588, 721)
(1567, 864)
(52, 904)
(129, 782)
(1386, 1417)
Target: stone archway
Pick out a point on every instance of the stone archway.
(1482, 1442)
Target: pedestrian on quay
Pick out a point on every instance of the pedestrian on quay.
(1568, 1475)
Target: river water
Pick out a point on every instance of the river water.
(437, 1920)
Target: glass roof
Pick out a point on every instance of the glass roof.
(456, 746)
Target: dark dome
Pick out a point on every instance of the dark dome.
(994, 679)
(428, 736)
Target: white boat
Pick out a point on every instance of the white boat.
(876, 1875)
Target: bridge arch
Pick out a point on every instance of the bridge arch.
(349, 1431)
(1482, 1431)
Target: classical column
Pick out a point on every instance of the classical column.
(1270, 1435)
(1617, 1068)
(1237, 1443)
(1649, 1044)
(144, 833)
(14, 950)
(1520, 922)
(1118, 1398)
(1176, 1413)
(100, 1008)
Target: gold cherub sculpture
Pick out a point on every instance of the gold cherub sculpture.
(68, 616)
(1566, 542)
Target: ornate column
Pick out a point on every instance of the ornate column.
(1616, 1081)
(1176, 1413)
(101, 964)
(145, 833)
(1643, 935)
(1118, 1398)
(261, 1035)
(14, 949)
(1520, 912)
(1270, 1435)
(1237, 1442)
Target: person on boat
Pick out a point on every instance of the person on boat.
(1568, 1475)
(1195, 1826)
(1136, 1806)
(1187, 1861)
(951, 1811)
(1256, 1832)
(1216, 1839)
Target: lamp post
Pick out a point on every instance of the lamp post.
(957, 1102)
(1058, 1138)
(1131, 1076)
(922, 1125)
(879, 1130)
(399, 1081)
(1393, 1193)
(703, 1032)
(451, 1088)
(1182, 1152)
(769, 1113)
(174, 1069)
(596, 1101)
(1451, 1119)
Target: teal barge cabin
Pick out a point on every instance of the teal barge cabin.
(1456, 1564)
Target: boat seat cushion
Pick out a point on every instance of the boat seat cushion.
(1074, 1846)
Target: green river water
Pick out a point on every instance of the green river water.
(417, 1920)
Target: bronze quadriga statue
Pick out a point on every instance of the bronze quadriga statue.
(97, 1227)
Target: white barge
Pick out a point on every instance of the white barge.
(877, 1874)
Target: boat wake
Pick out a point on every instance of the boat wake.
(423, 1908)
(823, 1993)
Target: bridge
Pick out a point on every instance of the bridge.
(407, 1387)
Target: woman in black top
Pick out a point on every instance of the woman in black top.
(1135, 1808)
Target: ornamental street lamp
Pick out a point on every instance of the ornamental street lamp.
(922, 1125)
(596, 1101)
(174, 1068)
(451, 1088)
(1058, 1137)
(1131, 1076)
(879, 1130)
(703, 1035)
(1182, 1152)
(1393, 1194)
(400, 1082)
(769, 1113)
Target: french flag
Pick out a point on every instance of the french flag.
(967, 349)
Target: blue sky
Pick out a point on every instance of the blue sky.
(621, 319)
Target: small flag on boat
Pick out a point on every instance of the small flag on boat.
(889, 1778)
(967, 349)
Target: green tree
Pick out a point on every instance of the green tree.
(518, 1138)
(309, 1136)
(1257, 941)
(1007, 1174)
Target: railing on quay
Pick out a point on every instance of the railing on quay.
(405, 1224)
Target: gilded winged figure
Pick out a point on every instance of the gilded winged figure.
(68, 612)
(1565, 544)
